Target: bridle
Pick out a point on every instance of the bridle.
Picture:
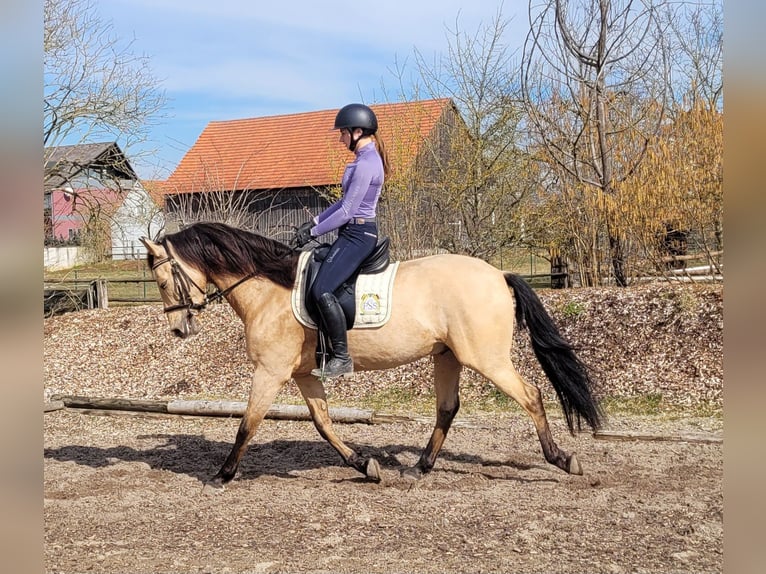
(182, 284)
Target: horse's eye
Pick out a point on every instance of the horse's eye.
(163, 285)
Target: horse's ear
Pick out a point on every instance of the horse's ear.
(151, 246)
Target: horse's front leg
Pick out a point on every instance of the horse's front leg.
(446, 378)
(313, 393)
(262, 393)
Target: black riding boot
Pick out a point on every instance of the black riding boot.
(334, 322)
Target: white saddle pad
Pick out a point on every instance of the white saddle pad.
(374, 295)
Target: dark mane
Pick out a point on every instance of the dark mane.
(217, 249)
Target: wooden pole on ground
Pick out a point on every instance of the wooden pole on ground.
(678, 437)
(222, 409)
(301, 413)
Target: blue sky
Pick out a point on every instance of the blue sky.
(247, 58)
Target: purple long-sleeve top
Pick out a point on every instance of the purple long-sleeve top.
(361, 185)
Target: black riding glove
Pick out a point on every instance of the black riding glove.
(303, 234)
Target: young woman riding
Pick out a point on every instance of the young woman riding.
(353, 215)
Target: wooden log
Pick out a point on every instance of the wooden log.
(223, 409)
(79, 402)
(207, 408)
(233, 409)
(680, 278)
(669, 258)
(680, 437)
(53, 406)
(277, 411)
(700, 270)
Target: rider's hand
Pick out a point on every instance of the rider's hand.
(303, 234)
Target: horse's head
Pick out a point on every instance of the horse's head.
(182, 287)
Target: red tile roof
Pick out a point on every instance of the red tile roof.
(296, 150)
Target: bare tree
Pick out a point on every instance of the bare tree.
(96, 88)
(480, 180)
(696, 40)
(275, 213)
(221, 206)
(594, 84)
(677, 193)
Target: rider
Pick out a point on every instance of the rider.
(353, 215)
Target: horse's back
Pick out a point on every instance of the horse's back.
(450, 286)
(448, 271)
(447, 260)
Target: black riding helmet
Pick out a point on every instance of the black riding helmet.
(355, 116)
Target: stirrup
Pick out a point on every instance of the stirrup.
(335, 367)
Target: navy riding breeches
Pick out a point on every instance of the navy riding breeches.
(355, 242)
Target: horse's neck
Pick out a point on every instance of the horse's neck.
(251, 298)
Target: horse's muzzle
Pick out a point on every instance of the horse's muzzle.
(186, 327)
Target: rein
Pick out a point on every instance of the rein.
(181, 283)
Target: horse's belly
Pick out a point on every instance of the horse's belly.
(375, 349)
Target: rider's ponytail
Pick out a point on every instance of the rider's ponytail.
(382, 151)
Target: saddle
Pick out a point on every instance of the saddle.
(376, 262)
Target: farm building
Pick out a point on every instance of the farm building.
(270, 174)
(93, 196)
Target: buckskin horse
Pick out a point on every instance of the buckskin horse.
(457, 309)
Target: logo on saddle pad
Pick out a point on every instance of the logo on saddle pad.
(373, 296)
(370, 304)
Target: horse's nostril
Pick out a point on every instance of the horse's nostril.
(179, 333)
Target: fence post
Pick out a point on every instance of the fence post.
(90, 295)
(102, 295)
(559, 272)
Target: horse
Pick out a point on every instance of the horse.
(458, 309)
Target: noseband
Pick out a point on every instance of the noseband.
(182, 283)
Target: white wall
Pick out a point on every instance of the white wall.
(55, 258)
(136, 217)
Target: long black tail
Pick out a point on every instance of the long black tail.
(564, 369)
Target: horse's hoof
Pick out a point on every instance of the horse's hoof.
(213, 486)
(373, 470)
(574, 465)
(412, 473)
(211, 489)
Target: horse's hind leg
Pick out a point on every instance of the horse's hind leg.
(446, 378)
(262, 394)
(509, 381)
(313, 393)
